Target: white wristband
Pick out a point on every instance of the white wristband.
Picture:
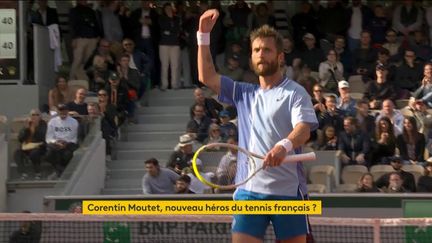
(286, 143)
(203, 39)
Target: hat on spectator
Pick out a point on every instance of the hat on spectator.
(114, 76)
(343, 84)
(62, 107)
(308, 36)
(224, 113)
(185, 139)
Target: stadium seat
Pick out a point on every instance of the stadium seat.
(406, 111)
(356, 95)
(356, 84)
(346, 188)
(80, 83)
(401, 103)
(416, 170)
(316, 188)
(378, 170)
(322, 174)
(351, 174)
(18, 123)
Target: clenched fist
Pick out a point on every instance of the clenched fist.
(208, 20)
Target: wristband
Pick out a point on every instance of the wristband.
(286, 143)
(203, 39)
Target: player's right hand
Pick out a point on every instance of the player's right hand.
(208, 20)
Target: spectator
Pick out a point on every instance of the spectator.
(311, 55)
(306, 78)
(129, 76)
(420, 113)
(169, 47)
(424, 92)
(365, 120)
(332, 115)
(331, 71)
(345, 56)
(44, 15)
(408, 74)
(158, 180)
(364, 56)
(411, 143)
(199, 122)
(304, 22)
(421, 46)
(108, 128)
(214, 135)
(196, 186)
(261, 16)
(407, 18)
(237, 21)
(109, 111)
(393, 114)
(379, 89)
(318, 100)
(345, 103)
(407, 178)
(291, 54)
(393, 45)
(112, 28)
(181, 157)
(378, 25)
(99, 64)
(329, 139)
(237, 52)
(383, 143)
(182, 185)
(212, 107)
(85, 31)
(366, 184)
(384, 59)
(229, 156)
(354, 145)
(60, 94)
(359, 16)
(395, 184)
(78, 106)
(227, 128)
(28, 232)
(232, 68)
(32, 140)
(424, 183)
(227, 178)
(62, 140)
(118, 94)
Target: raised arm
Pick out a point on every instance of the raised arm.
(206, 70)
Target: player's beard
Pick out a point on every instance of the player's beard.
(267, 69)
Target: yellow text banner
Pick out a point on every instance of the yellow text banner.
(115, 207)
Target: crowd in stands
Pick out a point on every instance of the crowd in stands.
(123, 52)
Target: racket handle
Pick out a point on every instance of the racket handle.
(300, 157)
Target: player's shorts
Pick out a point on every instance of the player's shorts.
(285, 226)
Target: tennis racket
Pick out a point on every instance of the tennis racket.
(215, 167)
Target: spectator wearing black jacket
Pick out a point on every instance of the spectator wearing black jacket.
(354, 145)
(408, 178)
(358, 17)
(379, 89)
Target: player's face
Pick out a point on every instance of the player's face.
(265, 58)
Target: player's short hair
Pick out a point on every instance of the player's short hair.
(266, 31)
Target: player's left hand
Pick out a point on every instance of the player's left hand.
(275, 156)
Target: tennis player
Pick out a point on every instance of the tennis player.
(274, 118)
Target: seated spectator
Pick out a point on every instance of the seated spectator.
(384, 59)
(367, 184)
(62, 140)
(407, 18)
(196, 186)
(158, 180)
(180, 159)
(332, 115)
(311, 55)
(232, 68)
(214, 134)
(407, 178)
(108, 128)
(211, 106)
(182, 185)
(379, 89)
(354, 145)
(98, 73)
(199, 123)
(227, 128)
(236, 49)
(345, 103)
(423, 118)
(424, 183)
(103, 52)
(331, 71)
(118, 95)
(345, 56)
(60, 94)
(408, 74)
(411, 143)
(393, 45)
(424, 92)
(291, 54)
(78, 107)
(420, 46)
(306, 78)
(395, 184)
(393, 114)
(329, 140)
(227, 177)
(365, 120)
(318, 100)
(383, 143)
(32, 140)
(230, 155)
(378, 24)
(139, 61)
(364, 56)
(129, 76)
(109, 111)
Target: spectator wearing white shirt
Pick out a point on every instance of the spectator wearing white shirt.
(61, 139)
